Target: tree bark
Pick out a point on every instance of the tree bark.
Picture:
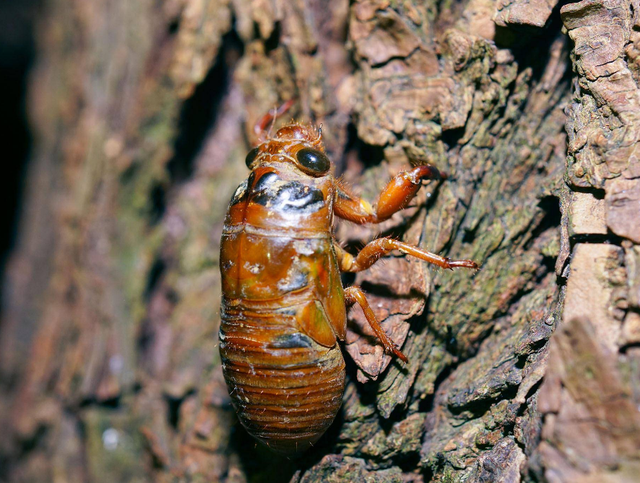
(142, 113)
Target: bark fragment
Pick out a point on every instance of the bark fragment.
(589, 404)
(592, 429)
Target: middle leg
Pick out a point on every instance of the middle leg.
(376, 249)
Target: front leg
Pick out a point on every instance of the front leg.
(394, 197)
(269, 119)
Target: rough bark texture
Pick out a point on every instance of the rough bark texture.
(142, 112)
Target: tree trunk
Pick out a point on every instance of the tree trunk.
(142, 113)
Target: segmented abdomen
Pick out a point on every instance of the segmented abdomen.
(286, 388)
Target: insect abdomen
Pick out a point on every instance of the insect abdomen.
(286, 388)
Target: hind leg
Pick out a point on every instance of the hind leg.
(353, 295)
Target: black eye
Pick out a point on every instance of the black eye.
(313, 160)
(251, 157)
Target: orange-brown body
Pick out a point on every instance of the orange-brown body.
(283, 303)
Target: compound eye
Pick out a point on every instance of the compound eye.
(314, 161)
(251, 157)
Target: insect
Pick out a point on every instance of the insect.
(284, 308)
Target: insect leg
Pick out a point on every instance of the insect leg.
(376, 249)
(354, 295)
(394, 197)
(270, 118)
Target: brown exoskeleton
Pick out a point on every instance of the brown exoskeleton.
(283, 303)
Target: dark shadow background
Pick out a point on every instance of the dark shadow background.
(17, 54)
